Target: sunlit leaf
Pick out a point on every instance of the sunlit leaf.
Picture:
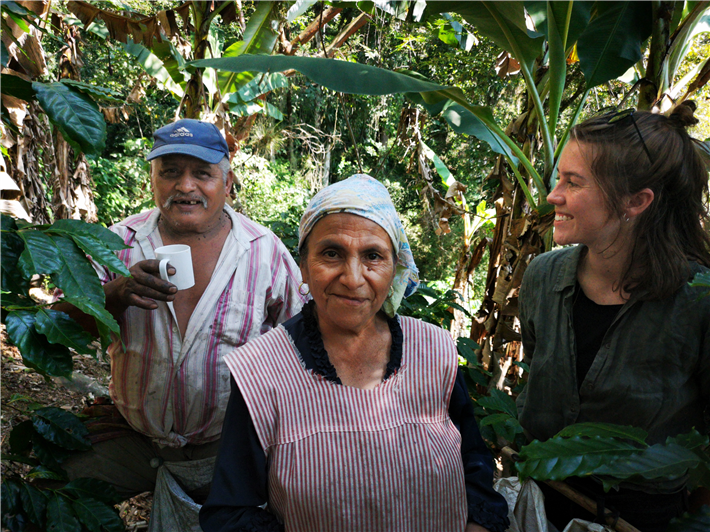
(559, 458)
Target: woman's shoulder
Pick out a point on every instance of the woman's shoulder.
(419, 331)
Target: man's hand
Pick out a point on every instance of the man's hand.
(140, 290)
(473, 527)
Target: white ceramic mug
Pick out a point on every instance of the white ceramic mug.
(180, 258)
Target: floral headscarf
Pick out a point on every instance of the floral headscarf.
(362, 195)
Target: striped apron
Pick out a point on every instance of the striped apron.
(343, 458)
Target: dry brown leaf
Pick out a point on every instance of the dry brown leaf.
(506, 65)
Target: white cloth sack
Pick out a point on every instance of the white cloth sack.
(173, 509)
(526, 509)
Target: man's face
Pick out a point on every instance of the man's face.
(189, 192)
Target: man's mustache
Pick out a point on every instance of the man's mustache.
(179, 197)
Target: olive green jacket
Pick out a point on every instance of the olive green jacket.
(652, 370)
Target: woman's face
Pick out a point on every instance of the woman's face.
(349, 270)
(581, 214)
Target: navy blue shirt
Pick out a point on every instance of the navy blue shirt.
(239, 488)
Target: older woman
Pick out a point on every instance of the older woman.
(611, 329)
(349, 417)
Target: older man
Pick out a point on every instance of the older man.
(168, 379)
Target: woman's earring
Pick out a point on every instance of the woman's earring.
(307, 291)
(391, 291)
(626, 218)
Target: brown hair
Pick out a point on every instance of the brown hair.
(674, 166)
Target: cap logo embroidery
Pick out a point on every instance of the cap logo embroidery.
(181, 132)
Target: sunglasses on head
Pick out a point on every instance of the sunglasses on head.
(623, 115)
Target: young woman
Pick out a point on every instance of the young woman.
(611, 329)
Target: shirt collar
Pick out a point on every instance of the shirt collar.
(567, 276)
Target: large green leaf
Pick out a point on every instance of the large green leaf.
(99, 93)
(97, 517)
(260, 37)
(61, 428)
(570, 17)
(96, 249)
(40, 254)
(692, 440)
(499, 401)
(10, 496)
(261, 85)
(59, 328)
(60, 517)
(462, 120)
(154, 66)
(562, 22)
(43, 472)
(559, 458)
(34, 503)
(105, 321)
(605, 430)
(697, 22)
(298, 8)
(11, 247)
(611, 43)
(76, 277)
(659, 461)
(76, 116)
(36, 351)
(467, 349)
(505, 425)
(17, 87)
(49, 455)
(697, 522)
(341, 76)
(90, 487)
(502, 22)
(76, 227)
(14, 7)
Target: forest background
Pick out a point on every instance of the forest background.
(85, 84)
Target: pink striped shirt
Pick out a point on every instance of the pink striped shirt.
(343, 458)
(175, 389)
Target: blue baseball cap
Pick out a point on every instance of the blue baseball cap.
(190, 137)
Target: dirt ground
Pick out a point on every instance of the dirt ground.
(23, 390)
